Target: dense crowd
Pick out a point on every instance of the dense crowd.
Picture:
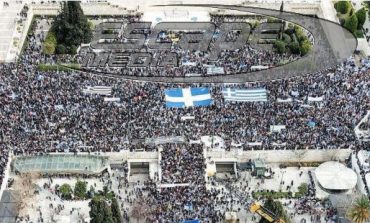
(47, 111)
(181, 163)
(195, 62)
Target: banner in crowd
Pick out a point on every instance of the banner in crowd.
(101, 90)
(245, 95)
(315, 99)
(112, 99)
(187, 97)
(215, 70)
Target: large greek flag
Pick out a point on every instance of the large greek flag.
(187, 97)
(245, 95)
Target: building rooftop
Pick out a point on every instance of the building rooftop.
(66, 163)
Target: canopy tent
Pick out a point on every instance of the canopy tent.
(335, 176)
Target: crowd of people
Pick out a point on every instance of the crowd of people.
(181, 163)
(47, 111)
(195, 62)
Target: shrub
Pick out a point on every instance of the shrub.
(351, 23)
(359, 34)
(343, 6)
(342, 21)
(361, 17)
(305, 47)
(286, 38)
(72, 50)
(50, 43)
(61, 49)
(280, 46)
(294, 38)
(299, 33)
(65, 191)
(294, 47)
(80, 189)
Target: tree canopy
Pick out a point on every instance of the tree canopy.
(343, 6)
(277, 208)
(80, 189)
(280, 46)
(71, 27)
(116, 213)
(361, 17)
(360, 211)
(65, 191)
(100, 211)
(351, 23)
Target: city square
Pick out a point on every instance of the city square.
(184, 111)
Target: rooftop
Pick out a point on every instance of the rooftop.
(88, 164)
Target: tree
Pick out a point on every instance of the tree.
(65, 191)
(116, 212)
(80, 189)
(351, 23)
(305, 47)
(71, 26)
(277, 208)
(280, 46)
(359, 212)
(49, 44)
(294, 47)
(61, 49)
(100, 211)
(361, 17)
(343, 6)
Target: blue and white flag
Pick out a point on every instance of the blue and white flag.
(245, 95)
(187, 97)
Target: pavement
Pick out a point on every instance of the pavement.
(8, 25)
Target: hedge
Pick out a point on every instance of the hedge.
(57, 67)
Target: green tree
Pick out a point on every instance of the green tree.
(80, 189)
(116, 213)
(61, 49)
(277, 208)
(65, 191)
(71, 26)
(294, 47)
(50, 43)
(299, 33)
(280, 46)
(343, 6)
(100, 211)
(305, 47)
(361, 17)
(351, 23)
(360, 211)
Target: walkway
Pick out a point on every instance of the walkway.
(8, 17)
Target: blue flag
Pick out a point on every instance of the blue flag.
(187, 97)
(191, 221)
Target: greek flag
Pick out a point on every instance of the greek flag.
(187, 97)
(244, 95)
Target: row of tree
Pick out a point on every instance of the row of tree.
(80, 191)
(351, 20)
